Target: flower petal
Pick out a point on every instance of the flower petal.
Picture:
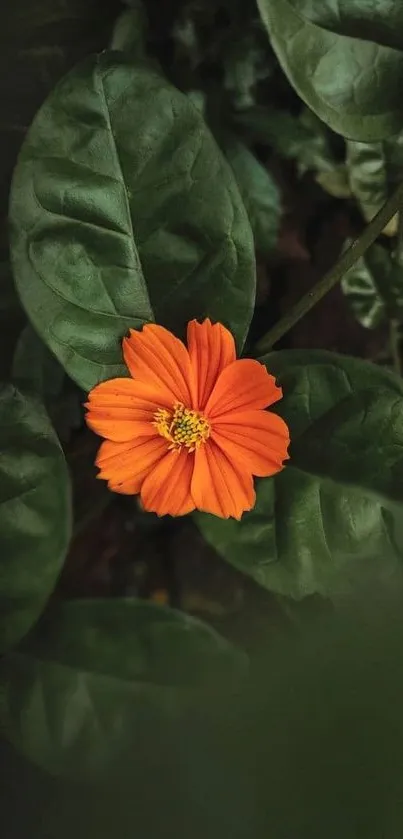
(166, 490)
(211, 349)
(157, 357)
(218, 486)
(243, 385)
(253, 440)
(125, 465)
(129, 392)
(119, 410)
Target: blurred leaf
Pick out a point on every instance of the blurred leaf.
(35, 368)
(319, 525)
(362, 283)
(334, 74)
(367, 175)
(146, 190)
(374, 170)
(35, 512)
(375, 21)
(41, 374)
(374, 287)
(318, 723)
(186, 39)
(260, 194)
(129, 31)
(99, 677)
(245, 63)
(299, 138)
(335, 182)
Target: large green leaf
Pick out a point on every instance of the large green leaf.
(334, 74)
(379, 21)
(99, 676)
(121, 197)
(35, 514)
(321, 522)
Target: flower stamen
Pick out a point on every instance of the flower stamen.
(182, 427)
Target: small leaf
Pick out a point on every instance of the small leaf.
(334, 73)
(129, 31)
(367, 175)
(320, 525)
(335, 182)
(260, 194)
(300, 138)
(374, 170)
(245, 63)
(98, 675)
(374, 287)
(362, 289)
(121, 197)
(35, 512)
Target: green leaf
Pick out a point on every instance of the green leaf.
(374, 287)
(380, 22)
(35, 368)
(361, 286)
(374, 170)
(35, 512)
(320, 525)
(260, 194)
(37, 371)
(122, 207)
(335, 182)
(98, 676)
(334, 74)
(245, 62)
(129, 32)
(288, 135)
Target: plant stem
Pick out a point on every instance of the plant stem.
(332, 277)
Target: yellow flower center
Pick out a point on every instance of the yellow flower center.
(182, 427)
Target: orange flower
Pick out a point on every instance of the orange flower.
(188, 430)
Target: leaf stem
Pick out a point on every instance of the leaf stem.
(332, 277)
